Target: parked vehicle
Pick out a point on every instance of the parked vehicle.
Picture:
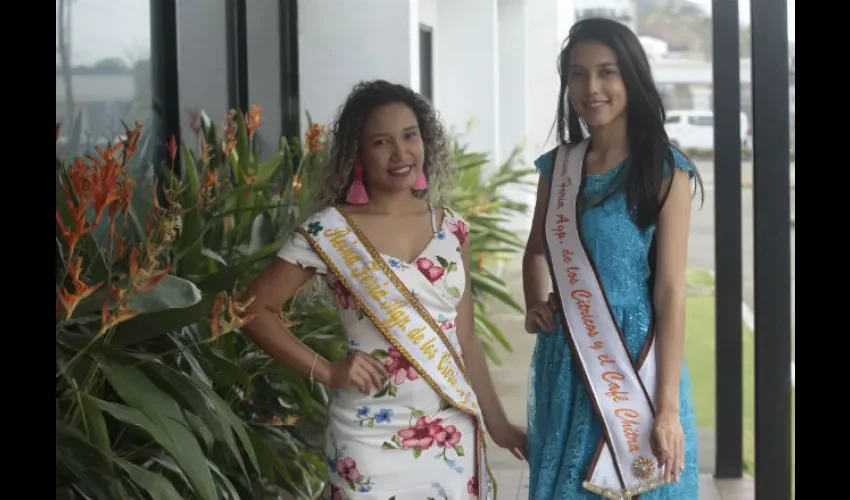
(694, 129)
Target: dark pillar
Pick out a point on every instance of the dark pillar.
(771, 192)
(290, 112)
(237, 54)
(727, 238)
(166, 95)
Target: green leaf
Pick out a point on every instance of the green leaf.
(416, 413)
(146, 327)
(491, 287)
(459, 450)
(417, 452)
(454, 291)
(156, 485)
(482, 324)
(380, 354)
(170, 293)
(213, 411)
(94, 423)
(163, 418)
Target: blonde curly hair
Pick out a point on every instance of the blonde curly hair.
(344, 142)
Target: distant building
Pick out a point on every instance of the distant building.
(624, 11)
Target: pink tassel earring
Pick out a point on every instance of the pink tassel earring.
(357, 192)
(421, 182)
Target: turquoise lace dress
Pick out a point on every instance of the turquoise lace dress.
(563, 430)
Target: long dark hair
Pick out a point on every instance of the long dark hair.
(649, 145)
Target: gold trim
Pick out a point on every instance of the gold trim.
(626, 494)
(373, 252)
(481, 442)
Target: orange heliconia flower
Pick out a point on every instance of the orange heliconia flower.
(253, 120)
(314, 138)
(172, 150)
(228, 143)
(70, 300)
(142, 278)
(229, 314)
(110, 319)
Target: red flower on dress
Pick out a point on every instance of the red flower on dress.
(449, 436)
(460, 229)
(472, 486)
(399, 367)
(336, 493)
(422, 435)
(346, 467)
(431, 270)
(343, 297)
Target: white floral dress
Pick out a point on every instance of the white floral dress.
(403, 441)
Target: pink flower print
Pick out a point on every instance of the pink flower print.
(422, 434)
(343, 297)
(472, 486)
(449, 436)
(448, 325)
(431, 270)
(460, 229)
(336, 493)
(346, 467)
(399, 367)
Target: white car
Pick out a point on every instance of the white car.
(694, 129)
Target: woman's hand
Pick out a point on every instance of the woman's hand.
(668, 444)
(360, 370)
(512, 438)
(541, 316)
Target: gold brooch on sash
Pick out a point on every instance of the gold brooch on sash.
(643, 467)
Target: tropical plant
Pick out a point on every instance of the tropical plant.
(158, 395)
(155, 393)
(481, 199)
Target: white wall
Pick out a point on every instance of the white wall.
(468, 85)
(547, 25)
(342, 42)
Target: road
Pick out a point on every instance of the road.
(701, 245)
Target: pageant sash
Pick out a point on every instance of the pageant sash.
(621, 392)
(398, 315)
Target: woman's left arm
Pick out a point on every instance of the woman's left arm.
(504, 434)
(669, 295)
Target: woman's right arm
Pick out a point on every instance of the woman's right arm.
(271, 289)
(535, 271)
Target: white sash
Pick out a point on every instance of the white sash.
(624, 465)
(398, 315)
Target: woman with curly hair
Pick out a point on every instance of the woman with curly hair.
(413, 402)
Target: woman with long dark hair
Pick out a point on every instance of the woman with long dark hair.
(610, 409)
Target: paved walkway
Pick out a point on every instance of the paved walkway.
(511, 380)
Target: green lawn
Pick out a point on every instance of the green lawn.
(700, 350)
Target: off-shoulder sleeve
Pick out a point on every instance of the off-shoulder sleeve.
(297, 250)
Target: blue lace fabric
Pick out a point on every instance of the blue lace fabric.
(563, 429)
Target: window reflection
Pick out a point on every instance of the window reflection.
(103, 70)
